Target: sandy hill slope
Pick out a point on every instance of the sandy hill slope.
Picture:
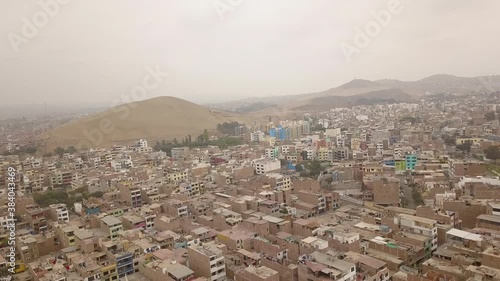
(153, 119)
(355, 92)
(444, 83)
(291, 106)
(325, 103)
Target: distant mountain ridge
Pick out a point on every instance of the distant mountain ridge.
(359, 91)
(169, 117)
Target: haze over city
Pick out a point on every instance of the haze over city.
(94, 51)
(249, 140)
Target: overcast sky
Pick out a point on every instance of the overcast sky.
(95, 51)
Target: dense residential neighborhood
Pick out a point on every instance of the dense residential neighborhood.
(389, 191)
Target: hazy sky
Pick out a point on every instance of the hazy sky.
(95, 51)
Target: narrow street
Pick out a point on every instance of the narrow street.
(407, 196)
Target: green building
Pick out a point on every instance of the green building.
(411, 161)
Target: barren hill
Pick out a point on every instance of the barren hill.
(361, 91)
(153, 119)
(324, 103)
(355, 92)
(444, 83)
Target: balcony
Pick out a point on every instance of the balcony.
(218, 275)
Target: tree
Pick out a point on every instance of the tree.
(315, 167)
(318, 127)
(175, 141)
(228, 128)
(50, 197)
(299, 167)
(31, 150)
(205, 135)
(97, 194)
(71, 149)
(59, 151)
(410, 119)
(492, 153)
(48, 154)
(449, 140)
(465, 147)
(416, 195)
(490, 116)
(189, 138)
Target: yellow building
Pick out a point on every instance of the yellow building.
(464, 140)
(109, 272)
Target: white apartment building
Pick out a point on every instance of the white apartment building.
(340, 142)
(418, 225)
(285, 149)
(380, 148)
(271, 153)
(333, 132)
(398, 150)
(182, 211)
(4, 221)
(142, 143)
(347, 237)
(291, 210)
(207, 260)
(141, 149)
(60, 211)
(257, 136)
(179, 152)
(311, 152)
(264, 166)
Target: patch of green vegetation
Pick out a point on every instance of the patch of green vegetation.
(310, 168)
(60, 150)
(492, 153)
(493, 169)
(66, 197)
(22, 151)
(228, 128)
(416, 195)
(222, 142)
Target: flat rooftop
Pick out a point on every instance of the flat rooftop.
(419, 219)
(489, 218)
(110, 220)
(263, 272)
(465, 234)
